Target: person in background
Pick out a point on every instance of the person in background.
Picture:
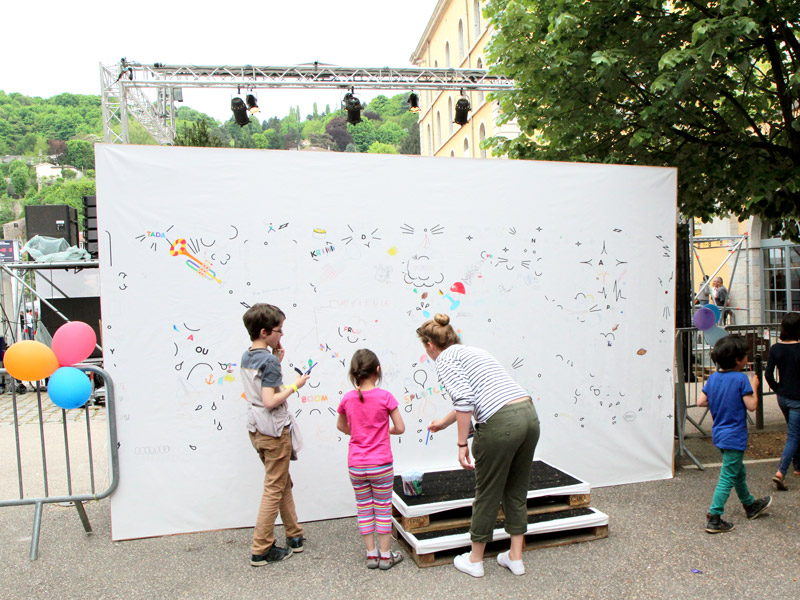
(785, 357)
(703, 293)
(720, 294)
(728, 393)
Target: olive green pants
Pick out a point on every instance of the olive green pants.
(503, 452)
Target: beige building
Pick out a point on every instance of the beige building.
(455, 37)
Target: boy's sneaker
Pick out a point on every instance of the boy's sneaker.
(295, 543)
(273, 555)
(715, 524)
(757, 507)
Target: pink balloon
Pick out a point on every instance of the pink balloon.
(73, 342)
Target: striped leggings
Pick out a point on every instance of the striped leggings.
(373, 487)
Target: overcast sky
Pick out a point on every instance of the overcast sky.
(49, 47)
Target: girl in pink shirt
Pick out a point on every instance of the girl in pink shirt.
(364, 415)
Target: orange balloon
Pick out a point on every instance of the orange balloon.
(30, 361)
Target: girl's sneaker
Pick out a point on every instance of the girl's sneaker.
(384, 564)
(372, 561)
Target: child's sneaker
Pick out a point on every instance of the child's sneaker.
(295, 543)
(465, 565)
(273, 555)
(715, 524)
(384, 564)
(373, 561)
(757, 507)
(515, 566)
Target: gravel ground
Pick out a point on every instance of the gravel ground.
(656, 549)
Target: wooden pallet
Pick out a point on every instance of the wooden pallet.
(459, 517)
(533, 541)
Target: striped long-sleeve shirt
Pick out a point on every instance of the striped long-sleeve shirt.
(475, 381)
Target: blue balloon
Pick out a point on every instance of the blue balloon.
(69, 388)
(715, 309)
(714, 334)
(704, 319)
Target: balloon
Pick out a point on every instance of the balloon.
(703, 319)
(69, 388)
(714, 334)
(28, 360)
(73, 342)
(715, 309)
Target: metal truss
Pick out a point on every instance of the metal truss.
(124, 85)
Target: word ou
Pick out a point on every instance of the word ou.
(140, 450)
(319, 252)
(322, 398)
(156, 234)
(437, 389)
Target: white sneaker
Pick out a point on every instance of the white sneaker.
(515, 566)
(463, 564)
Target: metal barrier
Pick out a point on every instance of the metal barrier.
(71, 496)
(694, 365)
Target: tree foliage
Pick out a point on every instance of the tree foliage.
(709, 87)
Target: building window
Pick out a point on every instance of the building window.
(781, 282)
(476, 19)
(430, 141)
(466, 147)
(450, 114)
(461, 51)
(452, 153)
(480, 92)
(447, 55)
(439, 126)
(482, 135)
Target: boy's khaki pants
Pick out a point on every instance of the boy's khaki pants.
(275, 453)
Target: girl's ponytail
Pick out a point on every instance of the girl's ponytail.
(363, 365)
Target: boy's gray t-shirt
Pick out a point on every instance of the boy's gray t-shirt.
(260, 368)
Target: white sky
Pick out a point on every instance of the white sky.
(49, 47)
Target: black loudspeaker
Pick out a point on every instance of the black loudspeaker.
(90, 224)
(75, 309)
(55, 221)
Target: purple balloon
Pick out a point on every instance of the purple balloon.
(704, 319)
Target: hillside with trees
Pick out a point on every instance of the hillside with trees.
(62, 130)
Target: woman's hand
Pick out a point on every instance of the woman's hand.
(463, 458)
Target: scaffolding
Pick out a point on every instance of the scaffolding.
(735, 246)
(124, 86)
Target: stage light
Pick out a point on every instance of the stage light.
(413, 101)
(252, 104)
(462, 111)
(353, 107)
(239, 111)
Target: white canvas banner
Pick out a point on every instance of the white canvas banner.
(565, 272)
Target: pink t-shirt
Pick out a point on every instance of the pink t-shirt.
(369, 426)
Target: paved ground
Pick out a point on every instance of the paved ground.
(656, 549)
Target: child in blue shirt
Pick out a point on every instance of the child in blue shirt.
(728, 393)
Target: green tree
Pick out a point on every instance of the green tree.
(363, 134)
(80, 153)
(197, 133)
(20, 182)
(410, 143)
(390, 133)
(381, 148)
(710, 88)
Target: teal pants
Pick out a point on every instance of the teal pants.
(503, 451)
(732, 475)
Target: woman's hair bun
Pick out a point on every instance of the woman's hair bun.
(442, 319)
